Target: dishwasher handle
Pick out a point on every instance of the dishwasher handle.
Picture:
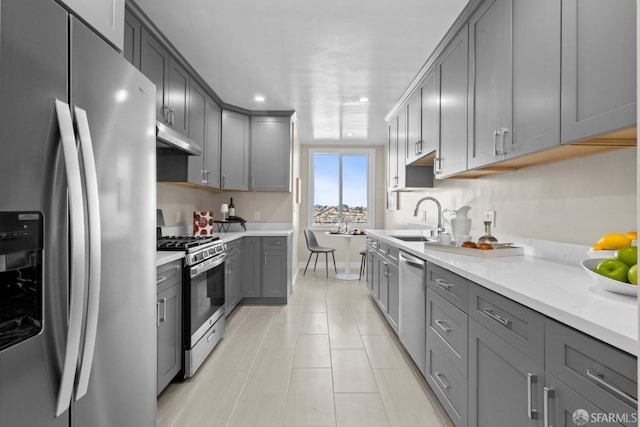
(412, 261)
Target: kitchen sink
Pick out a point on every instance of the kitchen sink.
(416, 238)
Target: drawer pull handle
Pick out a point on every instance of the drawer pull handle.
(598, 378)
(444, 285)
(495, 316)
(161, 279)
(443, 325)
(531, 413)
(548, 394)
(440, 377)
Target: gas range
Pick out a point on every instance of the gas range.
(198, 248)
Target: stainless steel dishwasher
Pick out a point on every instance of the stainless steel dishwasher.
(413, 305)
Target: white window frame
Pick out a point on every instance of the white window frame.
(371, 153)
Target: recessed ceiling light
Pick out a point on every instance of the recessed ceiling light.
(259, 98)
(363, 99)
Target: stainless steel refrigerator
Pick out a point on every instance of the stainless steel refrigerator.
(77, 226)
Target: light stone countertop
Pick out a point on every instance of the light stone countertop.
(164, 257)
(555, 287)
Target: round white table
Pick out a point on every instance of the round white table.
(347, 275)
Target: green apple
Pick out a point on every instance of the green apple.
(628, 255)
(632, 275)
(613, 269)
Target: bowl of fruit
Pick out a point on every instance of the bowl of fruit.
(618, 274)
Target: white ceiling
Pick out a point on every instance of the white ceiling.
(317, 57)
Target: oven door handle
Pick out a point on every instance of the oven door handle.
(198, 269)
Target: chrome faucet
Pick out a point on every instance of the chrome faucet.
(434, 200)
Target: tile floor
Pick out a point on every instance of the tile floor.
(328, 358)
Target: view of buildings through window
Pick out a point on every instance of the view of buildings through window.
(341, 188)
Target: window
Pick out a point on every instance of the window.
(341, 185)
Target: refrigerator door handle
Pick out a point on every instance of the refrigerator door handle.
(95, 254)
(77, 254)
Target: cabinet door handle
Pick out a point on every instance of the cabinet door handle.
(223, 181)
(495, 143)
(495, 316)
(548, 394)
(164, 310)
(157, 313)
(443, 325)
(171, 116)
(444, 285)
(439, 168)
(265, 257)
(165, 113)
(441, 380)
(598, 378)
(503, 148)
(531, 413)
(253, 184)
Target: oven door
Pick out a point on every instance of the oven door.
(206, 298)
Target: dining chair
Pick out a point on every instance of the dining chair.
(315, 248)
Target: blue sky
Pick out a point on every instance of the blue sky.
(326, 180)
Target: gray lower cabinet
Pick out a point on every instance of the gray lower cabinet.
(270, 153)
(514, 79)
(104, 16)
(447, 340)
(371, 262)
(169, 322)
(451, 68)
(264, 264)
(235, 153)
(598, 67)
(505, 386)
(233, 275)
(603, 376)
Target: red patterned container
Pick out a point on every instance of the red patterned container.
(203, 223)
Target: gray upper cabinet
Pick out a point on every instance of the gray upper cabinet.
(514, 84)
(212, 146)
(178, 97)
(451, 155)
(132, 37)
(171, 80)
(430, 111)
(154, 63)
(414, 128)
(104, 16)
(598, 67)
(204, 128)
(392, 156)
(402, 148)
(270, 153)
(235, 151)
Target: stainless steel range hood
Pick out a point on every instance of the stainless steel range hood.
(169, 138)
